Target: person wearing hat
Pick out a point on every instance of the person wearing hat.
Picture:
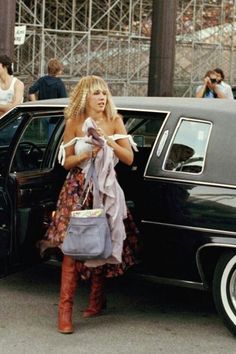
(11, 88)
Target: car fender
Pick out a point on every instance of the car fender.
(207, 257)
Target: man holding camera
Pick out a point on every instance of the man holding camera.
(210, 88)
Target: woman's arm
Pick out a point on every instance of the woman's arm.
(121, 147)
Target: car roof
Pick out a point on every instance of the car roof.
(181, 105)
(53, 102)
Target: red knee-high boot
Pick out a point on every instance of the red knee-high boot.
(69, 277)
(97, 300)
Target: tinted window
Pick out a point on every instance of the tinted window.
(7, 132)
(188, 147)
(33, 143)
(145, 128)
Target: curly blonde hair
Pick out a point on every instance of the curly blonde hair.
(78, 98)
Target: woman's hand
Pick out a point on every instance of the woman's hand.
(94, 151)
(87, 155)
(110, 142)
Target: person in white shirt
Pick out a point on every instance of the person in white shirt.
(210, 87)
(226, 88)
(11, 88)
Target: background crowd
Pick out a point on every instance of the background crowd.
(51, 85)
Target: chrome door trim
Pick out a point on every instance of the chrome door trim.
(194, 228)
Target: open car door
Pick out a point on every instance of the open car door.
(30, 179)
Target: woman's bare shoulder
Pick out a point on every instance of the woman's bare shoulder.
(119, 117)
(72, 122)
(119, 125)
(118, 120)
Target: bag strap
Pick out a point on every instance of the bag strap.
(91, 174)
(96, 195)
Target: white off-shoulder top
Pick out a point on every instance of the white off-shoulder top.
(83, 144)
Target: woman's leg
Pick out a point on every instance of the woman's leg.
(97, 299)
(69, 278)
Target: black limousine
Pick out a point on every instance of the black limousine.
(181, 188)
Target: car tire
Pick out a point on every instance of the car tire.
(224, 289)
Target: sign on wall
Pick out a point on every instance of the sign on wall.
(19, 37)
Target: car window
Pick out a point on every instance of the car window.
(144, 129)
(33, 143)
(188, 147)
(7, 132)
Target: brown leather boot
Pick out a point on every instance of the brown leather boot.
(69, 277)
(97, 300)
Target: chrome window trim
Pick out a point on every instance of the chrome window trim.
(162, 142)
(155, 142)
(181, 119)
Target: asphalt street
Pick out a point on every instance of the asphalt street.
(141, 318)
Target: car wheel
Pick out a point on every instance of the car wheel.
(224, 289)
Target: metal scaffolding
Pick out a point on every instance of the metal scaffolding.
(108, 38)
(111, 38)
(206, 39)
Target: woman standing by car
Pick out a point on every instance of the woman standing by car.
(11, 88)
(91, 99)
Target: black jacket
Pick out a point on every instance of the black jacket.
(48, 87)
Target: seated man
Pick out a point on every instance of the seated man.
(179, 153)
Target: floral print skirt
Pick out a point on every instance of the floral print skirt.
(68, 201)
